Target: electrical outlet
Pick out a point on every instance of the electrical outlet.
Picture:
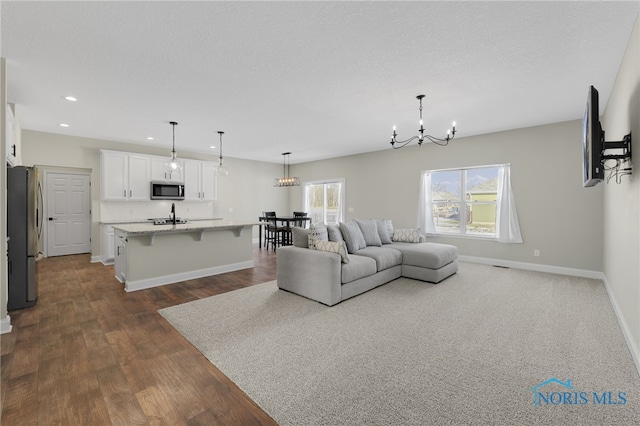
(350, 209)
(536, 252)
(230, 209)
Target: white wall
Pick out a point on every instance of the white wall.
(622, 202)
(557, 215)
(5, 325)
(248, 189)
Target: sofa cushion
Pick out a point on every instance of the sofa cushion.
(338, 247)
(358, 267)
(334, 233)
(300, 237)
(427, 255)
(406, 235)
(383, 232)
(369, 232)
(317, 231)
(352, 236)
(385, 257)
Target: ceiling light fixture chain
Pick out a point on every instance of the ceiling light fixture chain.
(421, 136)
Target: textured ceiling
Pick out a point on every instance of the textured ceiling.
(319, 79)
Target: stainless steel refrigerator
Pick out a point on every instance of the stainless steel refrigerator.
(23, 222)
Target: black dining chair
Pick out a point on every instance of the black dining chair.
(300, 223)
(273, 234)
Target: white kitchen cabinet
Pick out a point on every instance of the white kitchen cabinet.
(11, 138)
(139, 177)
(208, 181)
(200, 180)
(108, 244)
(158, 171)
(121, 256)
(125, 176)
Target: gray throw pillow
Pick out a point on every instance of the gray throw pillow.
(369, 232)
(334, 233)
(300, 237)
(317, 231)
(352, 236)
(383, 232)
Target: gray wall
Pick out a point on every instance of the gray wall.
(557, 215)
(248, 189)
(622, 202)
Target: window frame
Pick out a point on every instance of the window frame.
(464, 205)
(341, 198)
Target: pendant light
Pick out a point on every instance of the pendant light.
(173, 165)
(286, 180)
(220, 169)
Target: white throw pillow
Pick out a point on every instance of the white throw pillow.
(334, 247)
(406, 235)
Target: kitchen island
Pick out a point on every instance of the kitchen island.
(150, 255)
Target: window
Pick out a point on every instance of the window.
(324, 201)
(475, 201)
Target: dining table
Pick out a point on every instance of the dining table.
(285, 220)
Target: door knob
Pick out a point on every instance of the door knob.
(53, 218)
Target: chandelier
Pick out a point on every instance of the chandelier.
(173, 165)
(421, 136)
(220, 169)
(286, 180)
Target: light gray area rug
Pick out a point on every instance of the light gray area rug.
(470, 350)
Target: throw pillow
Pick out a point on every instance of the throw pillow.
(369, 232)
(317, 231)
(389, 225)
(339, 247)
(352, 236)
(334, 233)
(300, 237)
(407, 235)
(383, 232)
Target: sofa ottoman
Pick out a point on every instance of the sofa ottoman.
(432, 262)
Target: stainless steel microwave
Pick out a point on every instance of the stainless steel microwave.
(167, 190)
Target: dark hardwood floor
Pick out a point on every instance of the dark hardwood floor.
(89, 353)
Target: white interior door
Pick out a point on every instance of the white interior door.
(68, 214)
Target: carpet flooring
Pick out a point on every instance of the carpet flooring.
(475, 349)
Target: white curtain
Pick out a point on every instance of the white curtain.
(507, 225)
(425, 212)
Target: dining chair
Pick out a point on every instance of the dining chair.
(274, 234)
(300, 223)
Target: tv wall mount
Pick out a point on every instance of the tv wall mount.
(622, 156)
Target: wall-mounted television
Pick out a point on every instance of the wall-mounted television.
(592, 141)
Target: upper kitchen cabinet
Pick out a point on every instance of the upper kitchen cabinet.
(125, 176)
(158, 171)
(199, 180)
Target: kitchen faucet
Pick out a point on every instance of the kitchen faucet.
(173, 213)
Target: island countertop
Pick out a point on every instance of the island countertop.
(195, 226)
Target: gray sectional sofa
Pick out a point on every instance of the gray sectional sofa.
(331, 264)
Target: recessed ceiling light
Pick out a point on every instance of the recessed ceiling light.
(71, 98)
(64, 125)
(150, 138)
(212, 147)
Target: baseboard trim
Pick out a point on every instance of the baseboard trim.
(183, 276)
(5, 325)
(561, 270)
(635, 351)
